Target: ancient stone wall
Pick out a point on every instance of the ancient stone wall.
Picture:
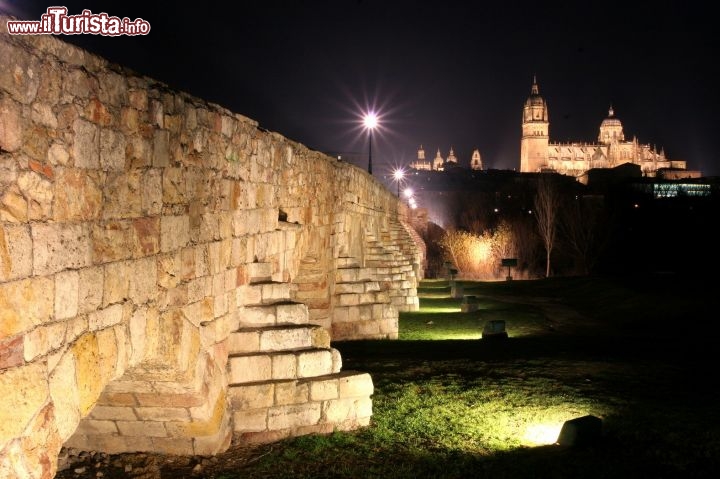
(171, 274)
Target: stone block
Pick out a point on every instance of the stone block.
(355, 385)
(323, 389)
(174, 233)
(58, 246)
(25, 303)
(11, 125)
(314, 363)
(254, 420)
(142, 428)
(95, 426)
(112, 241)
(123, 195)
(39, 193)
(291, 392)
(13, 205)
(112, 150)
(252, 396)
(161, 148)
(161, 414)
(78, 195)
(275, 292)
(292, 313)
(151, 191)
(12, 352)
(64, 396)
(146, 239)
(116, 282)
(283, 339)
(198, 289)
(90, 288)
(112, 413)
(257, 316)
(43, 339)
(86, 145)
(15, 252)
(245, 369)
(259, 272)
(292, 416)
(284, 366)
(174, 187)
(244, 342)
(23, 391)
(173, 445)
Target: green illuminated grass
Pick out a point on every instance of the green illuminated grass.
(468, 408)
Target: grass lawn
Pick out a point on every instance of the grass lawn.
(448, 404)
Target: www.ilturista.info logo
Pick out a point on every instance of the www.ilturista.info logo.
(57, 22)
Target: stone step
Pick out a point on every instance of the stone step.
(297, 364)
(357, 287)
(268, 410)
(259, 272)
(265, 292)
(275, 314)
(277, 338)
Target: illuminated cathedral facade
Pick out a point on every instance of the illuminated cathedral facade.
(538, 153)
(440, 164)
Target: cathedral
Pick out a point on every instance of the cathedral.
(538, 153)
(440, 163)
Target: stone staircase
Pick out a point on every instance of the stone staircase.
(284, 378)
(370, 293)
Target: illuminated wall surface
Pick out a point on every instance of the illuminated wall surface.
(171, 274)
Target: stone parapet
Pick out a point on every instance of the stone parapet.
(146, 236)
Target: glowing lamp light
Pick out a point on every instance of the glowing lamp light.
(542, 434)
(408, 193)
(370, 121)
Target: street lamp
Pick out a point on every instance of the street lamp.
(370, 121)
(398, 176)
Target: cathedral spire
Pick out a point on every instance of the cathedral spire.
(534, 90)
(611, 112)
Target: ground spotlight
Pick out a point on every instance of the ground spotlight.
(581, 431)
(494, 329)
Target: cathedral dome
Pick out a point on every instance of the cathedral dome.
(611, 120)
(611, 129)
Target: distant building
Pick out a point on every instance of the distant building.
(537, 153)
(441, 164)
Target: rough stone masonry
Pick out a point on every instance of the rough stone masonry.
(171, 274)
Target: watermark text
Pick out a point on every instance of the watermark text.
(56, 21)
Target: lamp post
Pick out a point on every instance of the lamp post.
(398, 176)
(370, 121)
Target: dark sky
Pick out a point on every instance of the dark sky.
(440, 74)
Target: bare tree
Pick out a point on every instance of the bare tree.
(547, 203)
(585, 229)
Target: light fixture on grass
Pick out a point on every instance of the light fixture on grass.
(581, 431)
(494, 329)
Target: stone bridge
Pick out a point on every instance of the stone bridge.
(171, 274)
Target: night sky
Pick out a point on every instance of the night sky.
(439, 74)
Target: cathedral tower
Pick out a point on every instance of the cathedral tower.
(535, 132)
(476, 160)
